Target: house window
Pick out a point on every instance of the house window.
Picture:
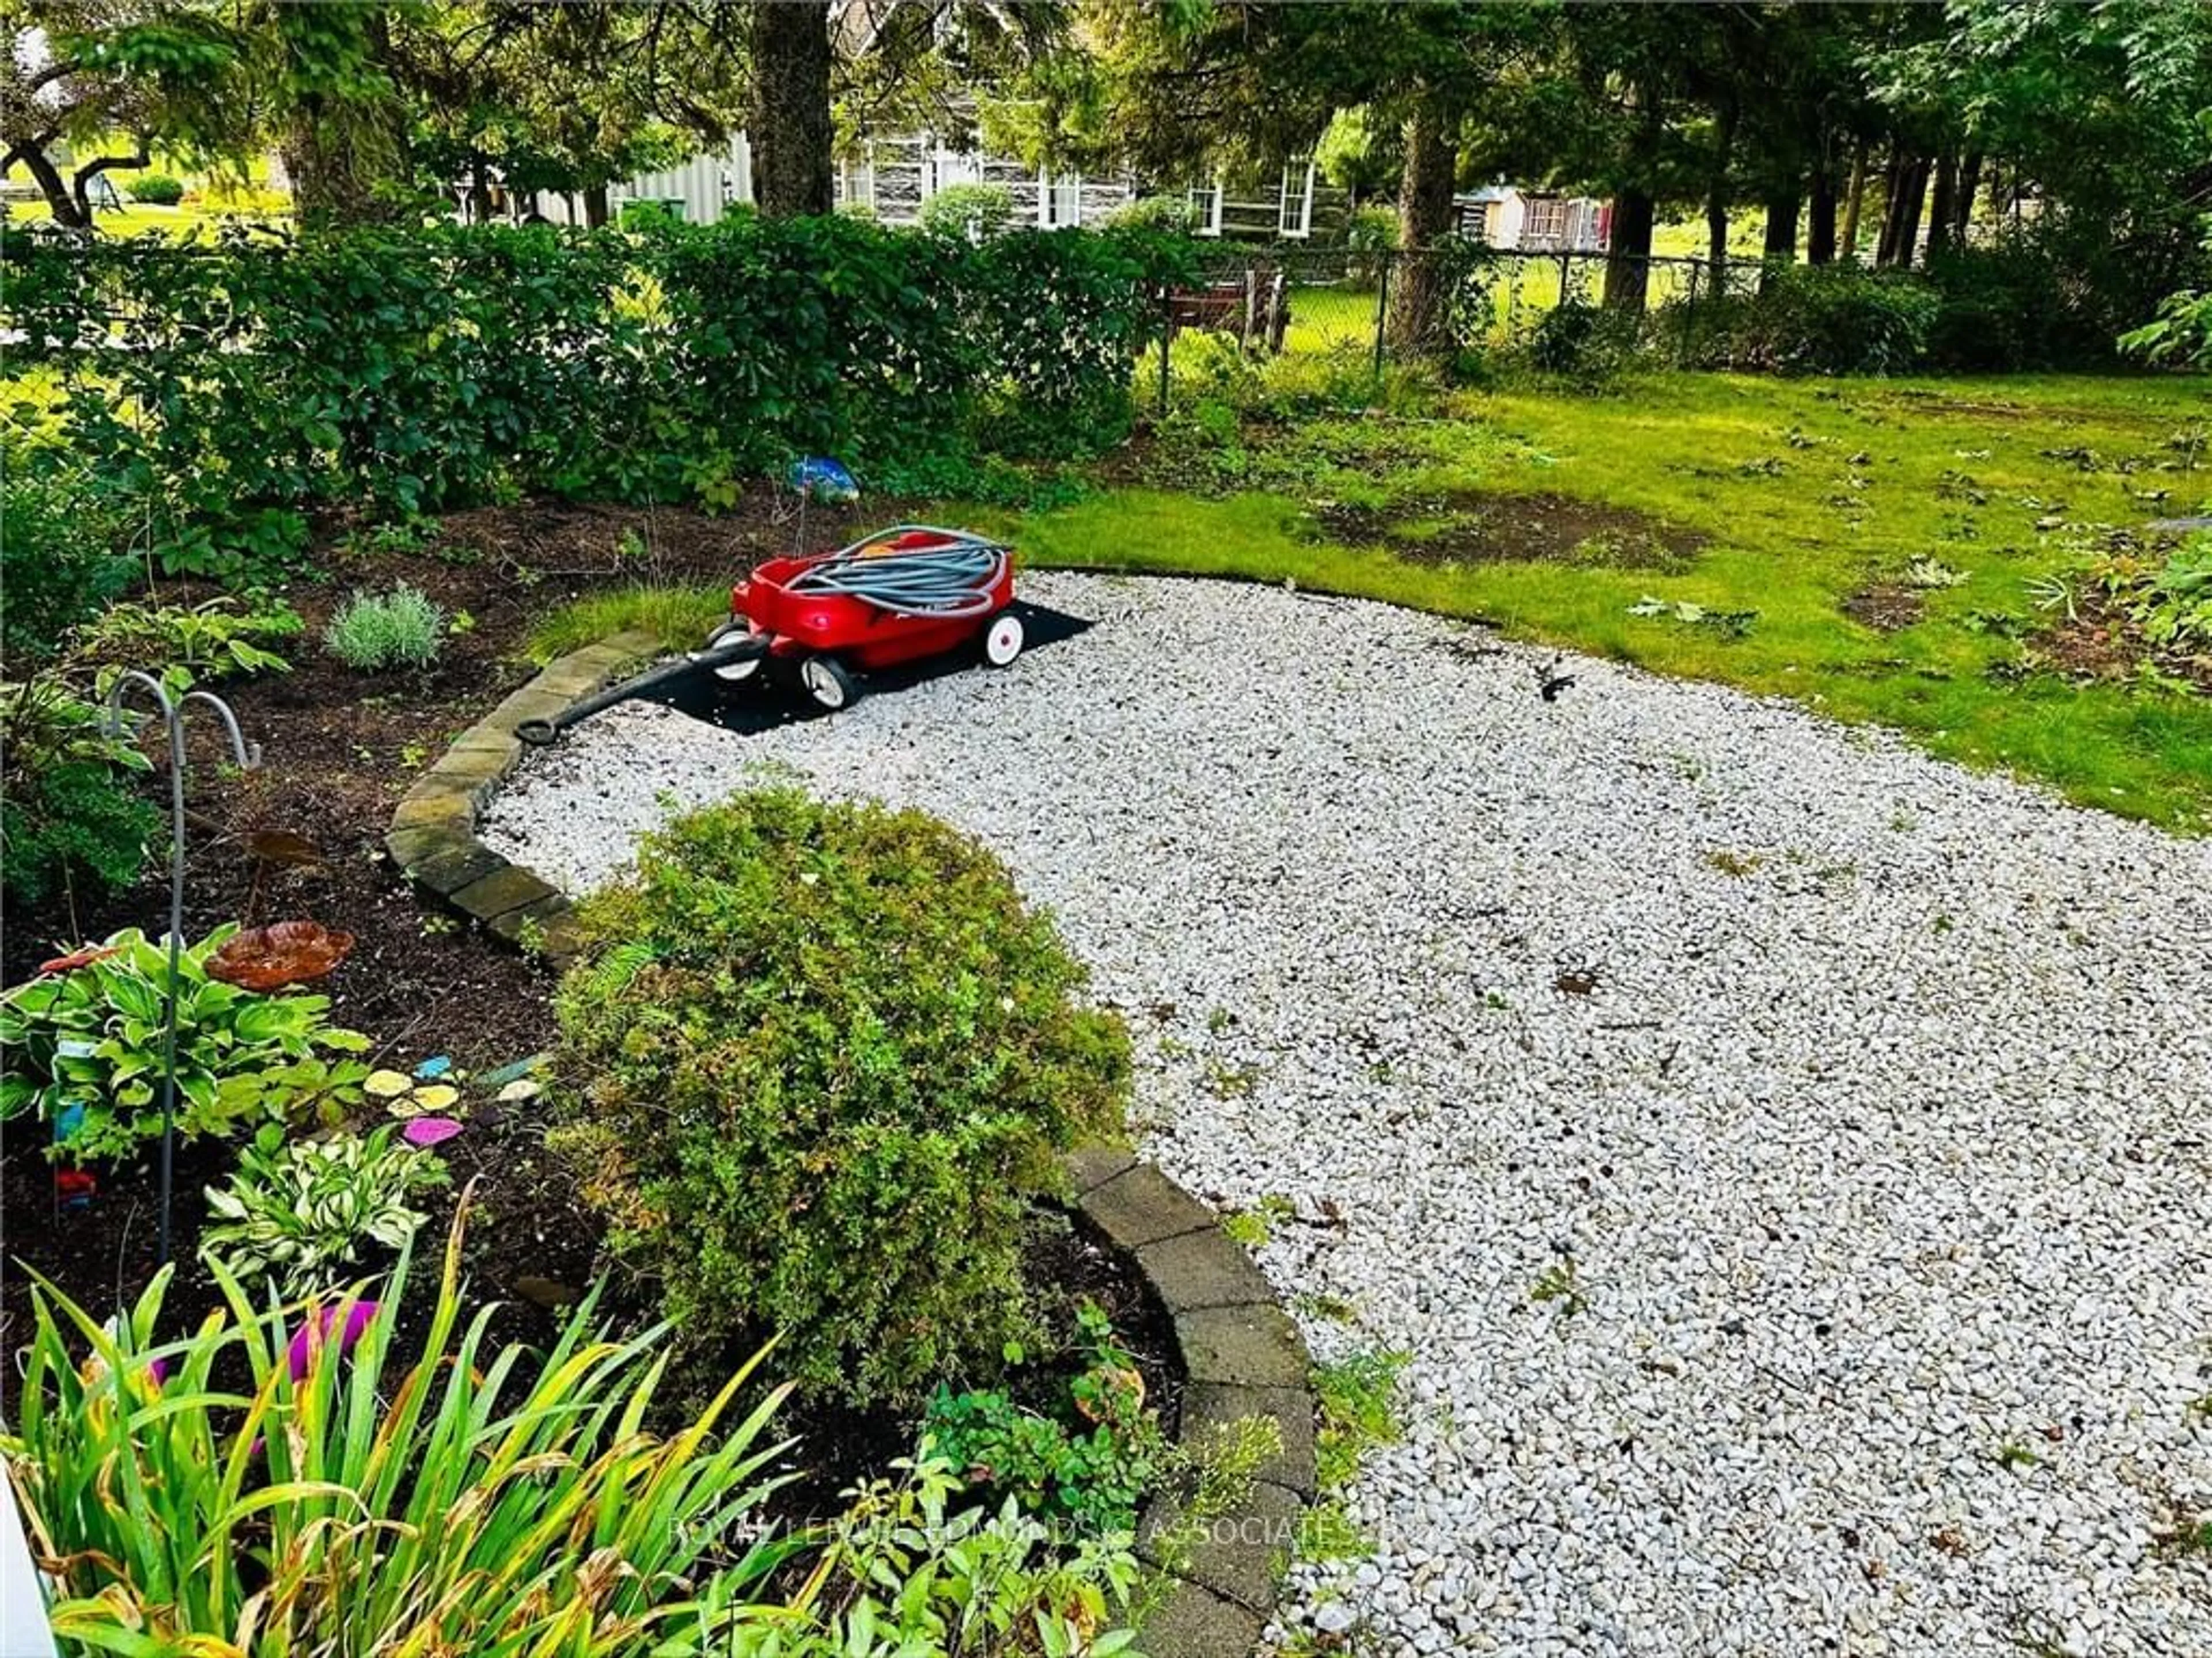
(948, 168)
(1060, 198)
(1206, 199)
(1294, 217)
(856, 182)
(1546, 222)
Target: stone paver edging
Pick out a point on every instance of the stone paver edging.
(1242, 1357)
(433, 836)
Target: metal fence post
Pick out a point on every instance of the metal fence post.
(1689, 319)
(1167, 339)
(1382, 307)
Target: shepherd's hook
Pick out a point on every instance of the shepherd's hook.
(249, 757)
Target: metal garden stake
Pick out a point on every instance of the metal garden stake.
(173, 715)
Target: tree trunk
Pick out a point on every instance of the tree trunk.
(1419, 286)
(1943, 202)
(1854, 200)
(1962, 207)
(1820, 211)
(81, 188)
(1716, 195)
(1780, 246)
(790, 126)
(595, 206)
(1911, 203)
(1893, 201)
(1628, 254)
(68, 212)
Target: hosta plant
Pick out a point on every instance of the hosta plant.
(194, 1494)
(296, 1209)
(90, 1035)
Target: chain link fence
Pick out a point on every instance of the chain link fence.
(1387, 305)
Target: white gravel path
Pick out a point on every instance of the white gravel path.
(1880, 1150)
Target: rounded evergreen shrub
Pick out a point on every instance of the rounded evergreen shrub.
(823, 1058)
(157, 188)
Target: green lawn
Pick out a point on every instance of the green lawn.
(1804, 493)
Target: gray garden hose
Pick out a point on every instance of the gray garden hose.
(950, 581)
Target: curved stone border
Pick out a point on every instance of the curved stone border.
(1242, 1356)
(433, 836)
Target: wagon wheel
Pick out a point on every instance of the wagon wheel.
(828, 682)
(1003, 639)
(745, 666)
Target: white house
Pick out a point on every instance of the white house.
(1505, 215)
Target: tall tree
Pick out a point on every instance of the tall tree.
(104, 83)
(1191, 86)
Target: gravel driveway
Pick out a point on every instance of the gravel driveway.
(1786, 1159)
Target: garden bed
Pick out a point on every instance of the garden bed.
(340, 750)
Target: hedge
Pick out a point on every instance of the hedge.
(242, 383)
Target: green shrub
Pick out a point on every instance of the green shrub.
(476, 1500)
(58, 562)
(1371, 235)
(248, 386)
(294, 1210)
(70, 818)
(90, 1035)
(373, 632)
(1092, 1463)
(1583, 341)
(1823, 320)
(1164, 215)
(911, 1571)
(158, 189)
(827, 1057)
(212, 641)
(972, 211)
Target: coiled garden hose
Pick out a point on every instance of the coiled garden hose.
(952, 577)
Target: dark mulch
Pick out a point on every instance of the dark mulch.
(339, 748)
(1473, 527)
(1885, 606)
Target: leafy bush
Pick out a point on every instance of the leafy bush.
(249, 384)
(211, 641)
(57, 560)
(1824, 319)
(1370, 236)
(68, 813)
(90, 1035)
(829, 1057)
(158, 189)
(972, 211)
(911, 1569)
(2169, 600)
(1164, 215)
(372, 632)
(1583, 341)
(1092, 1465)
(473, 1502)
(296, 1209)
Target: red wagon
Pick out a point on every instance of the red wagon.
(910, 592)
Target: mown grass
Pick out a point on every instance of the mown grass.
(1805, 491)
